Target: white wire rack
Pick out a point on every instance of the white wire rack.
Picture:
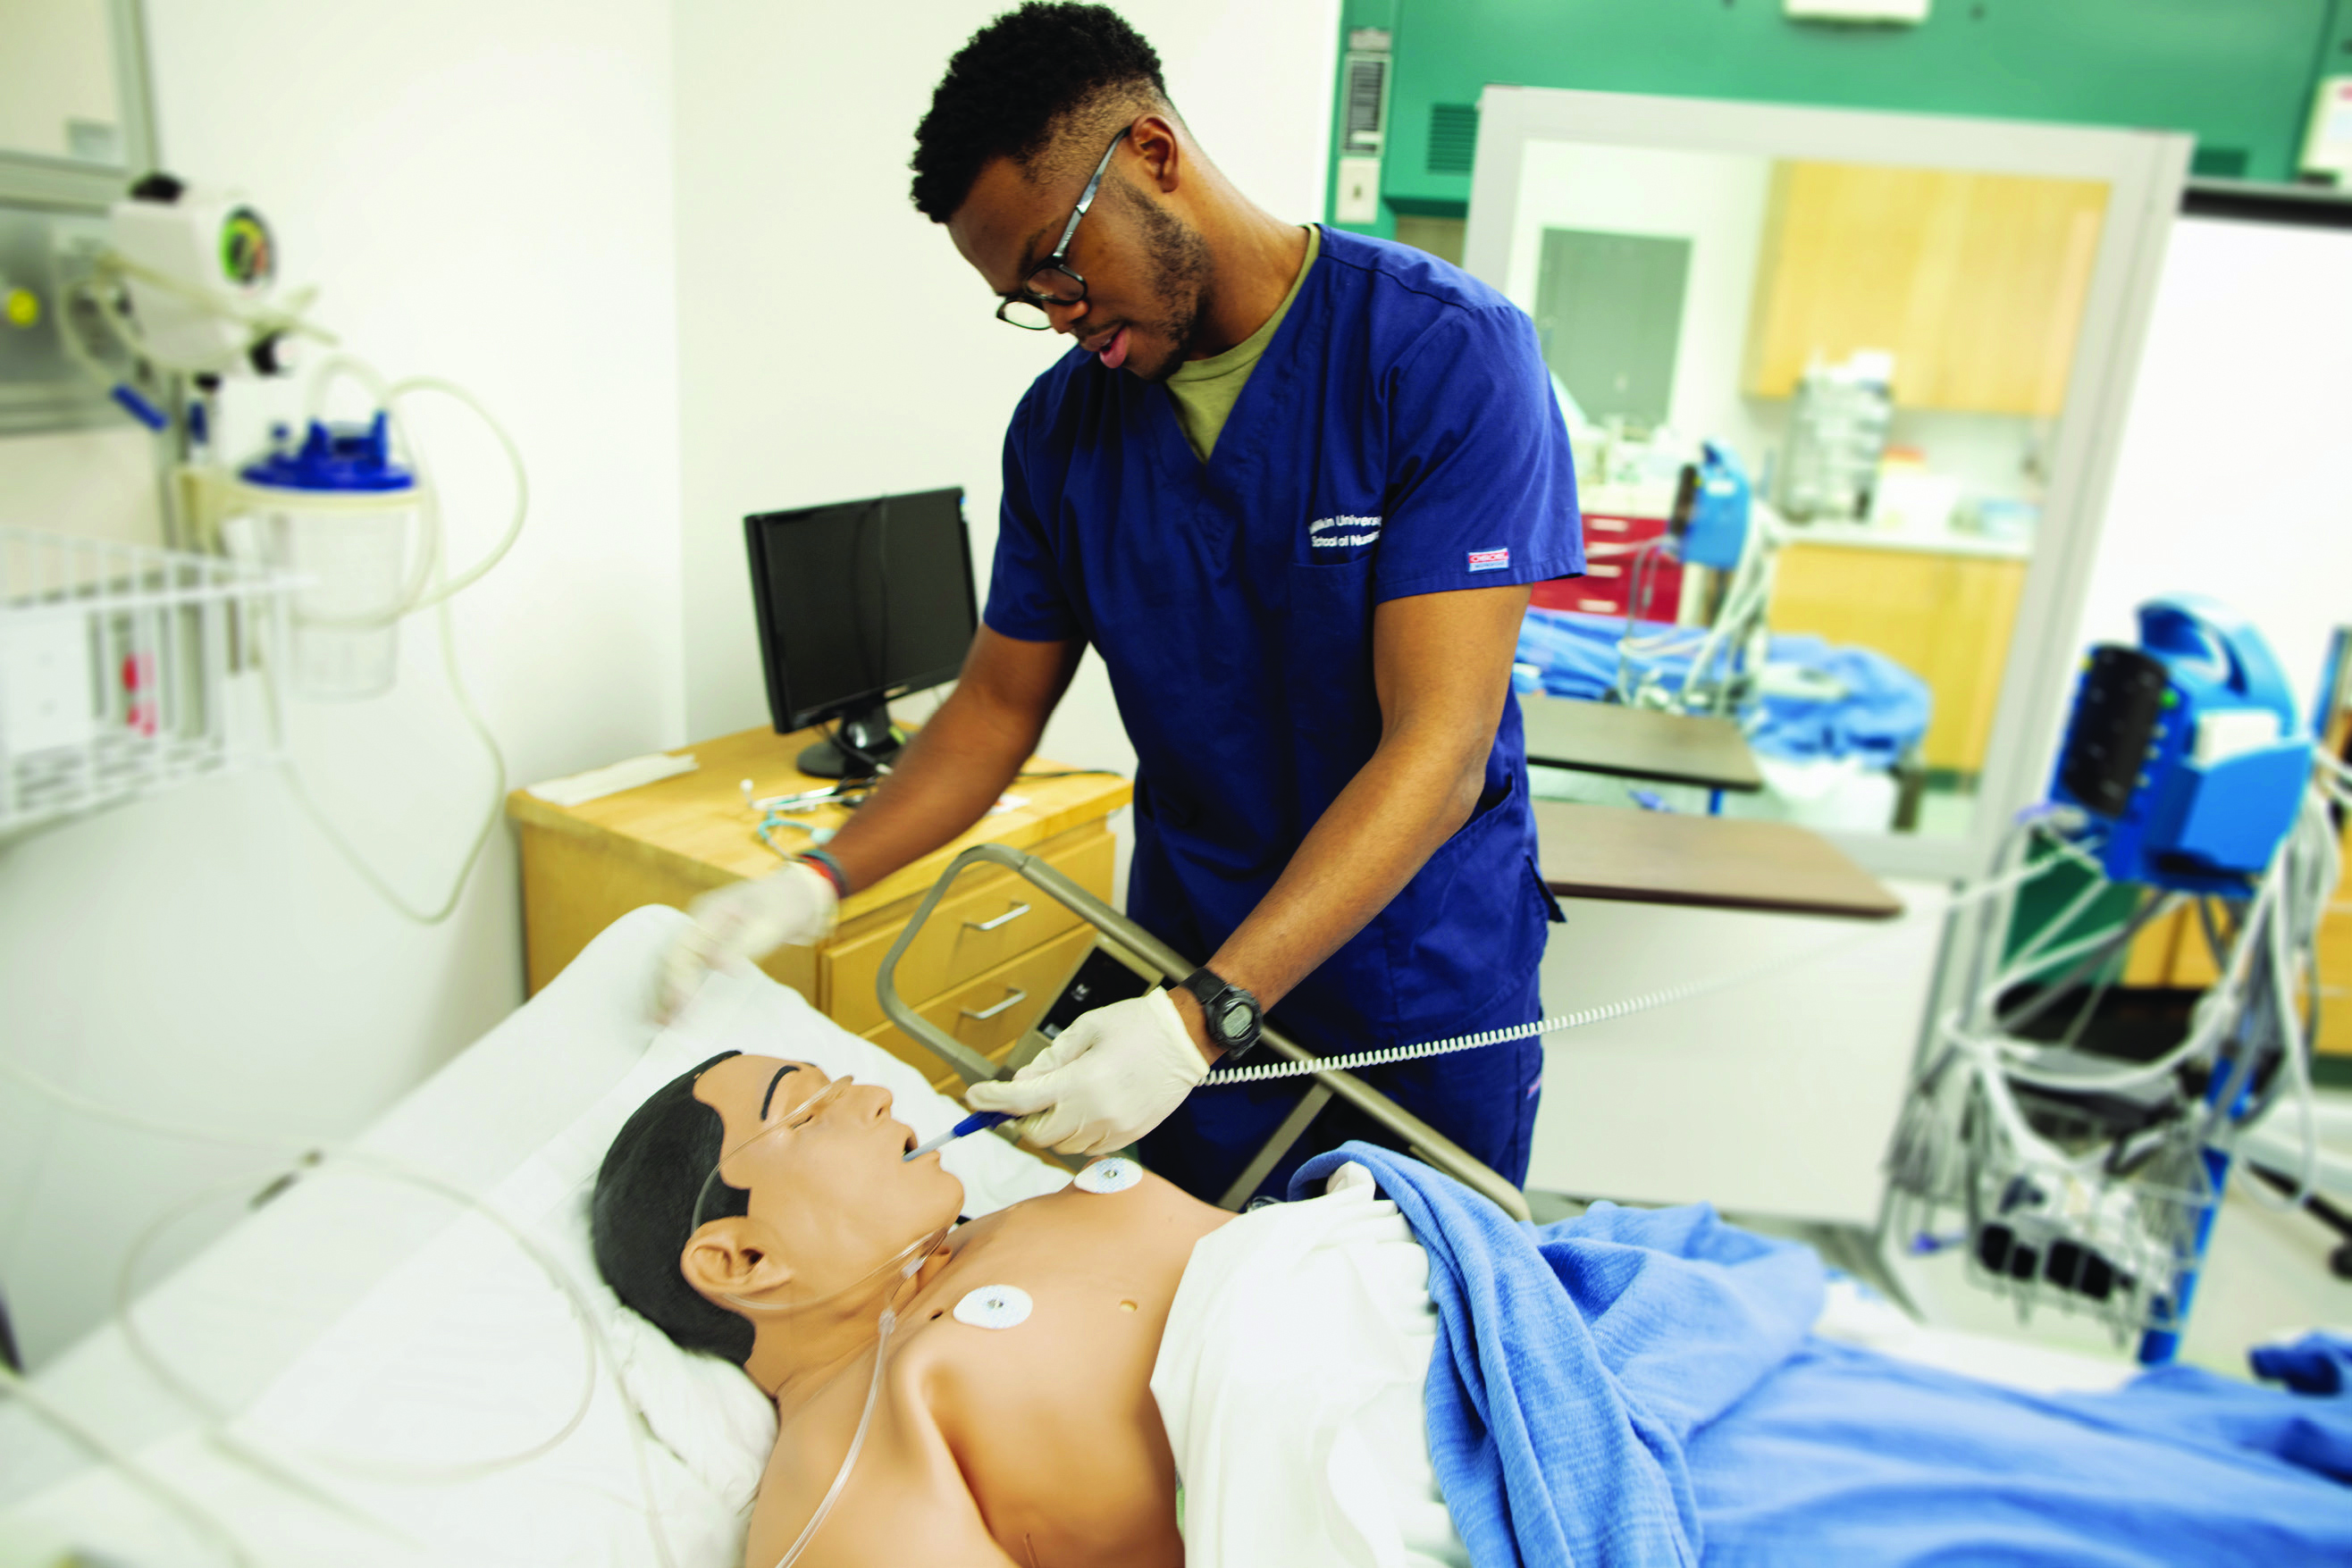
(118, 667)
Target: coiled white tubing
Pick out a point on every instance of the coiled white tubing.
(1382, 1058)
(1388, 1055)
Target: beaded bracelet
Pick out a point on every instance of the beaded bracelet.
(831, 867)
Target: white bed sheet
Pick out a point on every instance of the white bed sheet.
(355, 1323)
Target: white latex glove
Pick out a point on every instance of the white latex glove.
(792, 907)
(1112, 1077)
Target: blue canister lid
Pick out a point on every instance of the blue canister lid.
(334, 457)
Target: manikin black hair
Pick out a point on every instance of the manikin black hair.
(643, 1212)
(1009, 87)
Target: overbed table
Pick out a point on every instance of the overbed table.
(1638, 743)
(1709, 862)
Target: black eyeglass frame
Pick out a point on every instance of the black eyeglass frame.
(1060, 260)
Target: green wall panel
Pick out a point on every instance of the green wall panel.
(2238, 74)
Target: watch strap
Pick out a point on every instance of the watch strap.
(1218, 998)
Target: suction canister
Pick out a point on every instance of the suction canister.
(337, 509)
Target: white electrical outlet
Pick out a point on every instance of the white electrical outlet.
(45, 681)
(1357, 199)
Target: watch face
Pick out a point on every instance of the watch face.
(1235, 1022)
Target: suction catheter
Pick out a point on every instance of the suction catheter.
(978, 1121)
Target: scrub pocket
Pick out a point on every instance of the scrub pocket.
(1544, 900)
(1465, 933)
(1327, 671)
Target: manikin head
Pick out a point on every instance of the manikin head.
(811, 1204)
(1017, 126)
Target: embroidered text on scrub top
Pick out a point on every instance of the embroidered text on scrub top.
(1339, 532)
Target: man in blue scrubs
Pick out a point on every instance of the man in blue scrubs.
(1291, 483)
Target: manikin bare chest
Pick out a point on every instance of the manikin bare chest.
(1025, 1420)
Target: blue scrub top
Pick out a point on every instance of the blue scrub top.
(1398, 437)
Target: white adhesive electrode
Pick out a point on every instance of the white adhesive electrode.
(1113, 1175)
(994, 1307)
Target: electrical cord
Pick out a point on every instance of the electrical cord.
(93, 1442)
(598, 1348)
(1604, 1012)
(2138, 1195)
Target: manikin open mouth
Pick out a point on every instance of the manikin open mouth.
(908, 1146)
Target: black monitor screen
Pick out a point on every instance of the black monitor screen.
(859, 599)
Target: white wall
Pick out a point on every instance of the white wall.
(99, 483)
(2233, 479)
(62, 69)
(1712, 200)
(832, 343)
(484, 194)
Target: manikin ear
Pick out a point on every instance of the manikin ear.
(735, 1256)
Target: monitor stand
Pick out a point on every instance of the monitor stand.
(867, 729)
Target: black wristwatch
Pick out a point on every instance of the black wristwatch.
(1233, 1014)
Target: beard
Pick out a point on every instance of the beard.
(1182, 276)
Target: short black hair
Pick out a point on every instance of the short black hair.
(1014, 84)
(643, 1211)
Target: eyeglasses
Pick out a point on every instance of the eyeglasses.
(1053, 282)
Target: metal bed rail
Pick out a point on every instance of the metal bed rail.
(1424, 1142)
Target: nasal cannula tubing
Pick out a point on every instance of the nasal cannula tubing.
(909, 1258)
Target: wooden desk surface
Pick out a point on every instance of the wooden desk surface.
(1713, 863)
(696, 825)
(1638, 743)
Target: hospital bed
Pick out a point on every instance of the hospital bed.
(372, 1346)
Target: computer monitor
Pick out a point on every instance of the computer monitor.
(859, 601)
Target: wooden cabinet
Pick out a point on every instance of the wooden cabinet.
(1974, 282)
(983, 967)
(2173, 952)
(1946, 618)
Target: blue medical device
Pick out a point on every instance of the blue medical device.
(2190, 758)
(2187, 750)
(1710, 522)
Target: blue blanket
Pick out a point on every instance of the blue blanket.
(1639, 1386)
(1884, 711)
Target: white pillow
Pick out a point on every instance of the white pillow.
(466, 1352)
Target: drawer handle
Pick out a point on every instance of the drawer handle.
(1012, 997)
(1007, 918)
(1595, 569)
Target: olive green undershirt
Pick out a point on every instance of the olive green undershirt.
(1205, 390)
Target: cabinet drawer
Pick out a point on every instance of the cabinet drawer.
(976, 1013)
(1607, 530)
(982, 923)
(1607, 587)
